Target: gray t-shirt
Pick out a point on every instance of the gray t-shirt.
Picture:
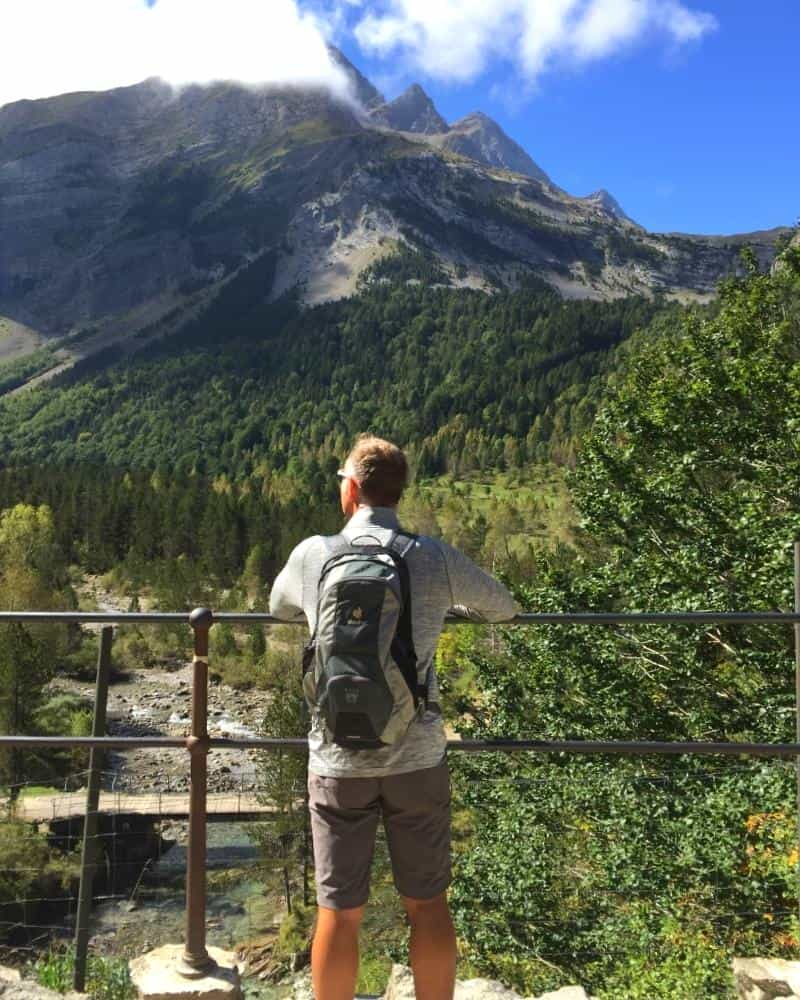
(442, 579)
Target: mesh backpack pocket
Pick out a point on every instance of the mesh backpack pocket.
(360, 668)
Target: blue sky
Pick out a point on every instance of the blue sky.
(700, 137)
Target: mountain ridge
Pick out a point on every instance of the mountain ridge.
(126, 211)
(480, 138)
(411, 111)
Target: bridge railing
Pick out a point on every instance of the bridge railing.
(195, 959)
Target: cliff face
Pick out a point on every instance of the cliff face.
(119, 208)
(112, 200)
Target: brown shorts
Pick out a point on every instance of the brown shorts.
(344, 818)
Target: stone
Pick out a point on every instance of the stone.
(401, 987)
(766, 978)
(14, 987)
(483, 989)
(156, 977)
(302, 988)
(566, 993)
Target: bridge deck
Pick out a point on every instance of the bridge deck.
(166, 805)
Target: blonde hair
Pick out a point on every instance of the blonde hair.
(380, 468)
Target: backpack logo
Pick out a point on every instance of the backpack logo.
(351, 697)
(356, 616)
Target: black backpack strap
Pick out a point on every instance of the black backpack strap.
(334, 545)
(403, 651)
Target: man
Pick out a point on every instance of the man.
(406, 782)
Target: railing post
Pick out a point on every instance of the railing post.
(196, 961)
(797, 704)
(89, 851)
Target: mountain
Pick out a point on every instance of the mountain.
(368, 95)
(124, 214)
(412, 111)
(478, 137)
(609, 204)
(122, 204)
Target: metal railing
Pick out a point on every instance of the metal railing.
(195, 960)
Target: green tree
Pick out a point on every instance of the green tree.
(254, 573)
(29, 571)
(640, 880)
(282, 774)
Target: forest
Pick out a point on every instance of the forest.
(462, 379)
(632, 455)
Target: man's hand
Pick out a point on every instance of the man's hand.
(470, 614)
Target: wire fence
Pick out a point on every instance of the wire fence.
(139, 901)
(140, 880)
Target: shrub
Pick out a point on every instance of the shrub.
(106, 978)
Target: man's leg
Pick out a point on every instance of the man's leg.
(334, 953)
(344, 818)
(416, 814)
(433, 947)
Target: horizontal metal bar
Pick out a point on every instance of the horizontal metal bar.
(629, 747)
(300, 744)
(106, 742)
(555, 618)
(658, 618)
(101, 617)
(625, 747)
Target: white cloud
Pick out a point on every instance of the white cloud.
(607, 25)
(456, 39)
(682, 24)
(56, 46)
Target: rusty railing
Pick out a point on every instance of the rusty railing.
(195, 960)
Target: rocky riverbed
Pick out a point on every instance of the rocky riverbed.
(156, 702)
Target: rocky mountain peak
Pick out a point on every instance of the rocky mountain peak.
(609, 204)
(368, 95)
(412, 111)
(479, 137)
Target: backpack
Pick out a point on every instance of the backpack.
(360, 667)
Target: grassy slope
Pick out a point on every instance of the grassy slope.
(16, 339)
(539, 493)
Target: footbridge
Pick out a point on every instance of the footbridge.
(222, 807)
(198, 805)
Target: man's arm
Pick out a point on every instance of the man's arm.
(286, 596)
(474, 593)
